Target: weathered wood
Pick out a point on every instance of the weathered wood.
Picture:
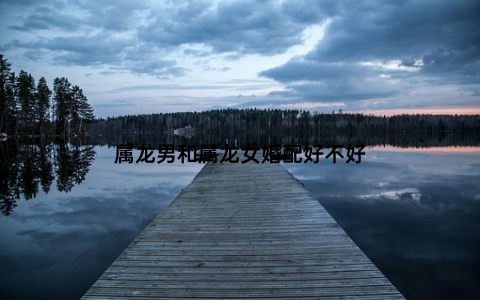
(243, 231)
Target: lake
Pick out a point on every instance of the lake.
(414, 211)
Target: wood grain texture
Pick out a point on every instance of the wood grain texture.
(243, 231)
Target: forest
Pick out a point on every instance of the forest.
(34, 110)
(29, 110)
(275, 121)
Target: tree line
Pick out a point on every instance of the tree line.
(30, 109)
(276, 122)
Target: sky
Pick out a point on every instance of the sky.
(139, 57)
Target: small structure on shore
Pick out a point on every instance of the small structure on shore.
(186, 131)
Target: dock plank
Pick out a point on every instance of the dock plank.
(242, 231)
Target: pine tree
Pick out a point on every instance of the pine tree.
(26, 97)
(7, 101)
(11, 104)
(26, 108)
(62, 102)
(81, 110)
(76, 95)
(43, 102)
(85, 112)
(71, 108)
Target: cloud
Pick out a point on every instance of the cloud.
(137, 37)
(44, 18)
(366, 54)
(24, 3)
(242, 27)
(380, 49)
(79, 50)
(88, 33)
(117, 16)
(118, 53)
(331, 82)
(311, 70)
(159, 68)
(69, 16)
(397, 29)
(464, 63)
(310, 11)
(167, 87)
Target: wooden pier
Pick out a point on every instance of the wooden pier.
(243, 231)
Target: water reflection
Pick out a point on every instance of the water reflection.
(399, 139)
(56, 246)
(27, 167)
(416, 214)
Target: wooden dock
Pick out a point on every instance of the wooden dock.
(243, 231)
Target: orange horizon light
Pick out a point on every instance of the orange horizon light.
(436, 150)
(431, 110)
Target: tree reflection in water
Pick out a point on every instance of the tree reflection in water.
(27, 167)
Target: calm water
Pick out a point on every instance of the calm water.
(56, 245)
(416, 214)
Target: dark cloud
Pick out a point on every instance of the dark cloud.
(70, 16)
(24, 3)
(376, 30)
(331, 82)
(463, 63)
(81, 50)
(424, 43)
(119, 53)
(310, 11)
(311, 70)
(158, 68)
(120, 15)
(339, 91)
(89, 33)
(45, 18)
(198, 53)
(438, 43)
(266, 27)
